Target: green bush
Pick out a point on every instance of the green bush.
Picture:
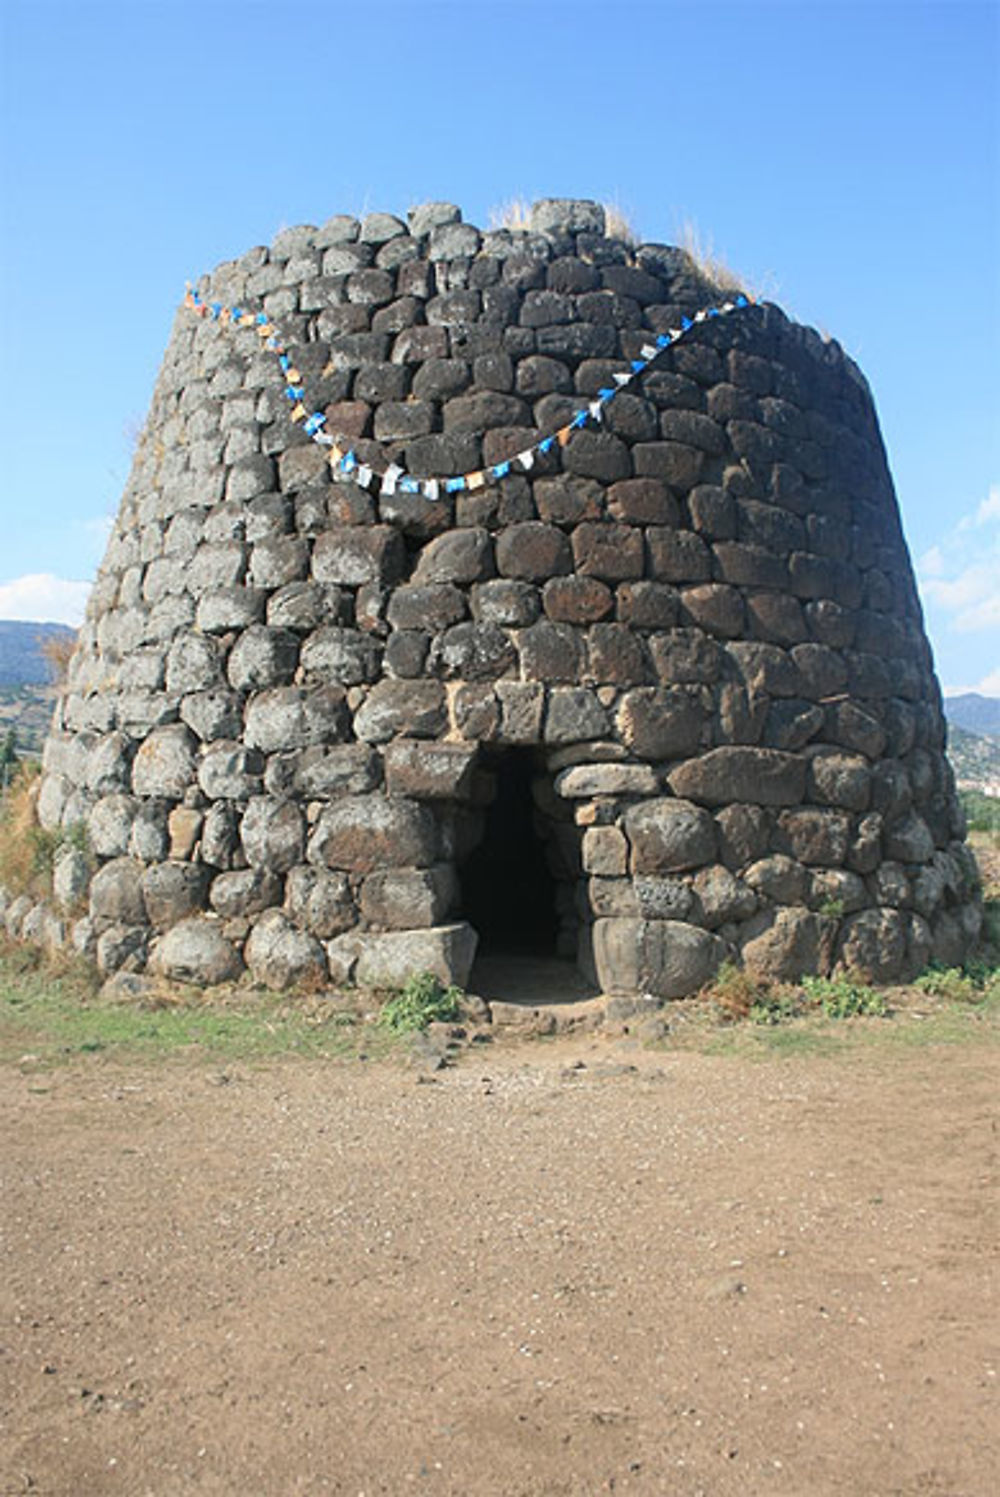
(982, 812)
(423, 1000)
(844, 997)
(970, 983)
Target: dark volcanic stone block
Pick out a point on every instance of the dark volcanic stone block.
(615, 656)
(576, 600)
(647, 605)
(369, 832)
(677, 555)
(613, 553)
(661, 722)
(429, 771)
(643, 501)
(550, 652)
(458, 556)
(357, 554)
(394, 709)
(473, 652)
(597, 454)
(678, 464)
(533, 551)
(765, 777)
(667, 836)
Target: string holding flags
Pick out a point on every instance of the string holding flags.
(345, 463)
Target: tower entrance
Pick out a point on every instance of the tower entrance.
(508, 884)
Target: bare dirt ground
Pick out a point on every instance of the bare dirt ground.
(557, 1268)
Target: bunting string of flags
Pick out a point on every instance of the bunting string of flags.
(345, 464)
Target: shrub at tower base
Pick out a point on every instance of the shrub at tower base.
(468, 588)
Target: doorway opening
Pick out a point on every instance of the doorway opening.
(521, 882)
(508, 886)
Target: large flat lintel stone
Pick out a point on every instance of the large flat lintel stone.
(583, 781)
(429, 771)
(388, 960)
(759, 776)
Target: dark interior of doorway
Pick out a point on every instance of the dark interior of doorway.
(508, 891)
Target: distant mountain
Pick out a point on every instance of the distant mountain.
(975, 758)
(22, 661)
(974, 713)
(28, 710)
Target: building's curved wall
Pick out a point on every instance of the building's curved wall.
(289, 692)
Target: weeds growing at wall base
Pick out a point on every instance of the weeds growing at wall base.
(423, 1000)
(737, 995)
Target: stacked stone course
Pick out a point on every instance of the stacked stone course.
(290, 696)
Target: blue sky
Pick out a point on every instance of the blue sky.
(845, 157)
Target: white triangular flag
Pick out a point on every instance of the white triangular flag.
(363, 476)
(430, 488)
(526, 459)
(621, 378)
(390, 477)
(700, 316)
(596, 409)
(648, 351)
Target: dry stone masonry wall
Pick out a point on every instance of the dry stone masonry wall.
(694, 632)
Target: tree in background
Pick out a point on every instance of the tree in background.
(8, 758)
(57, 649)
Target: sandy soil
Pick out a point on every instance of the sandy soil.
(562, 1268)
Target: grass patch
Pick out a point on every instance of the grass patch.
(746, 1017)
(58, 1015)
(423, 1000)
(912, 1022)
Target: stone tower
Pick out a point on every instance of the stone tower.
(468, 584)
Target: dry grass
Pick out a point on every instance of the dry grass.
(23, 861)
(712, 266)
(618, 225)
(734, 992)
(515, 213)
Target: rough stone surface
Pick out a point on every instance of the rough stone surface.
(297, 694)
(669, 835)
(666, 958)
(364, 833)
(389, 960)
(196, 951)
(279, 956)
(873, 944)
(783, 944)
(765, 777)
